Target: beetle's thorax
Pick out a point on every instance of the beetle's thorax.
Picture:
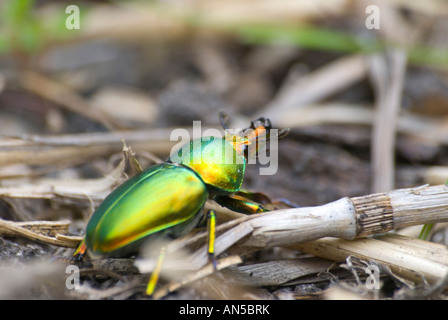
(215, 160)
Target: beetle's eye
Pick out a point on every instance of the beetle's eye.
(261, 122)
(268, 124)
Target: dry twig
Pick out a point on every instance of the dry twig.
(387, 74)
(316, 86)
(49, 232)
(55, 92)
(77, 148)
(414, 259)
(347, 218)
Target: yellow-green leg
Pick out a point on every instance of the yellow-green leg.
(155, 274)
(211, 227)
(239, 204)
(80, 252)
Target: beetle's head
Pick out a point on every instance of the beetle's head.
(250, 140)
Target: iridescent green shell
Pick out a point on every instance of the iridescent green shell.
(162, 199)
(215, 160)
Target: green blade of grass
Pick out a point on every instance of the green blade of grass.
(306, 36)
(424, 233)
(331, 40)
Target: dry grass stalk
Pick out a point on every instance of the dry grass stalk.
(387, 75)
(78, 148)
(55, 233)
(316, 86)
(50, 232)
(55, 92)
(93, 189)
(436, 175)
(155, 20)
(411, 258)
(347, 218)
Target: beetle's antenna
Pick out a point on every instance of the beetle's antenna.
(281, 134)
(223, 118)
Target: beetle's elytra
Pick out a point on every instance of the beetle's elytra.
(163, 197)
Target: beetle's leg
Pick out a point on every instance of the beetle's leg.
(254, 196)
(266, 201)
(239, 204)
(211, 227)
(155, 274)
(77, 256)
(80, 252)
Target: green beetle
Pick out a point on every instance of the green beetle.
(168, 199)
(146, 204)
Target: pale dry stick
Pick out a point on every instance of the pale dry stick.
(54, 232)
(427, 249)
(429, 128)
(151, 20)
(75, 148)
(45, 188)
(316, 86)
(133, 24)
(426, 129)
(63, 96)
(347, 218)
(436, 175)
(96, 138)
(387, 75)
(49, 228)
(328, 113)
(41, 231)
(411, 259)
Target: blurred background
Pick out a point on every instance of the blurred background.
(363, 85)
